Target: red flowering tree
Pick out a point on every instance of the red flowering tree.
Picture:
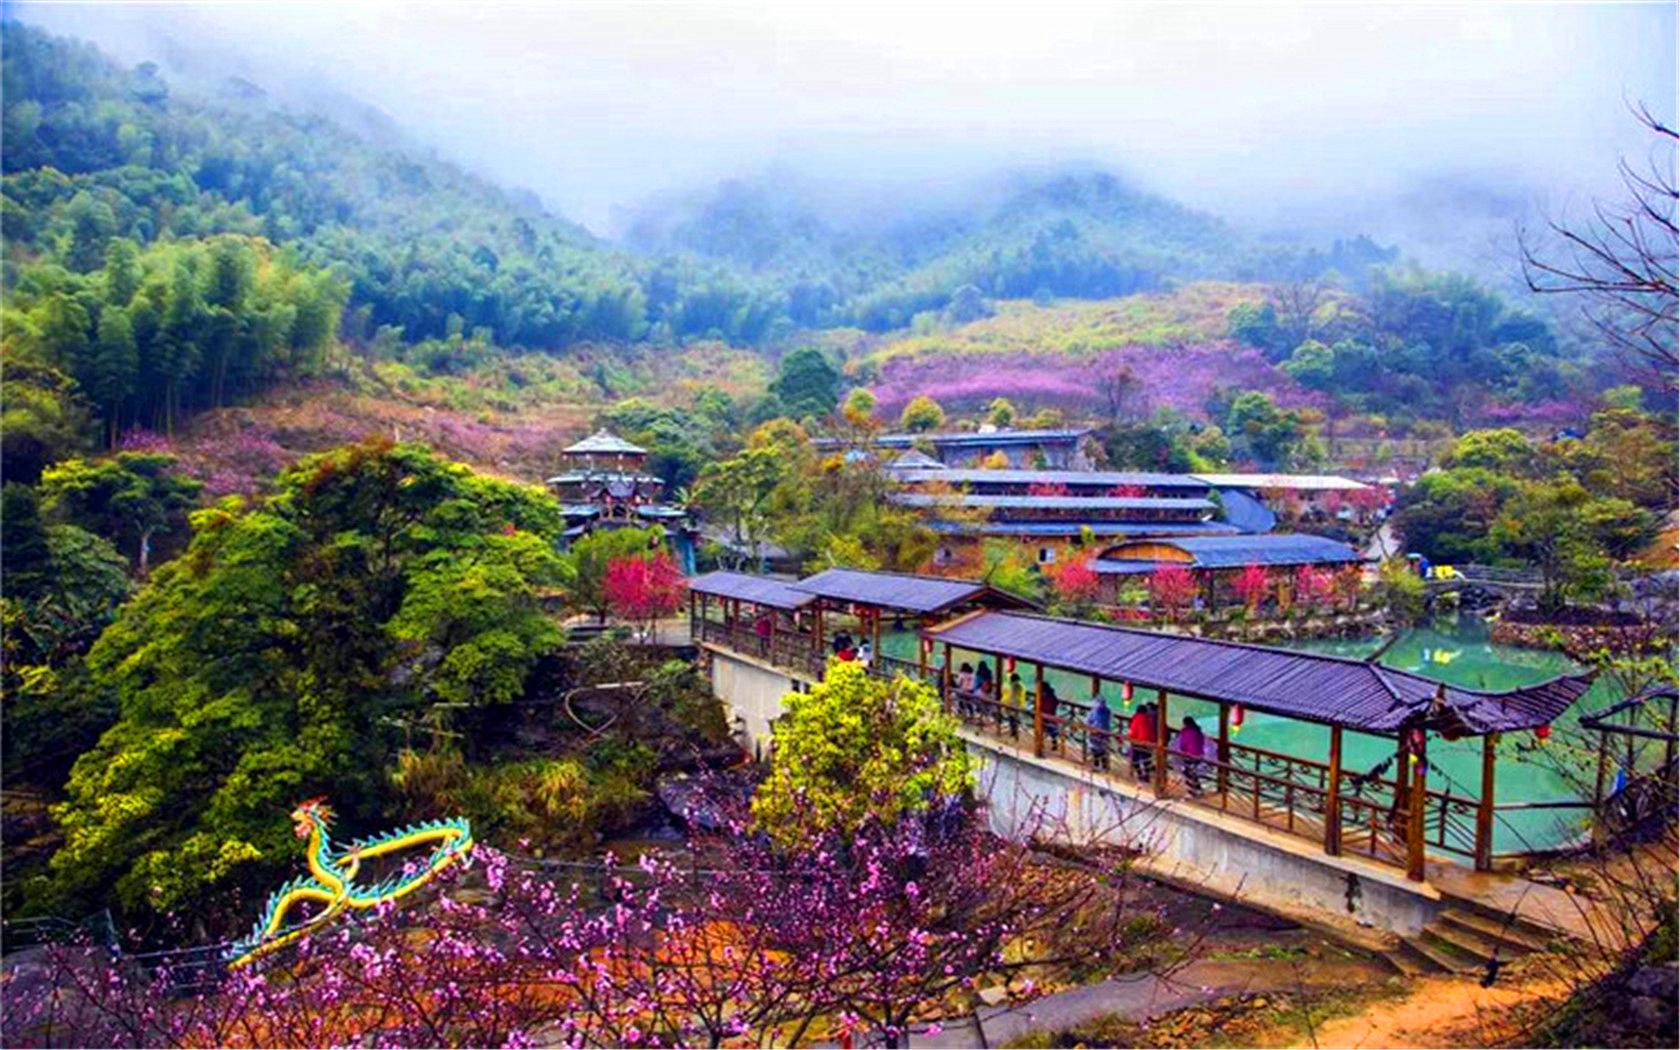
(1171, 589)
(1075, 584)
(1367, 501)
(1251, 585)
(644, 588)
(1314, 587)
(1047, 488)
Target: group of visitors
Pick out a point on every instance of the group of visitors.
(1188, 747)
(845, 649)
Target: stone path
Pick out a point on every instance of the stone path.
(1146, 996)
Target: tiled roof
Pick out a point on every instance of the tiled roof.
(1299, 482)
(1226, 552)
(994, 527)
(603, 441)
(760, 590)
(957, 499)
(1326, 689)
(891, 590)
(1070, 478)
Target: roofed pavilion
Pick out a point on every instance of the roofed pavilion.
(1392, 816)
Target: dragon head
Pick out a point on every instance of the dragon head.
(311, 814)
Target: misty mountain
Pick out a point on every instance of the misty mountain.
(1073, 232)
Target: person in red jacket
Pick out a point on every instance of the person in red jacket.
(1142, 735)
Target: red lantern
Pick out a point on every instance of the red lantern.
(1009, 665)
(1236, 717)
(1125, 695)
(1542, 733)
(927, 645)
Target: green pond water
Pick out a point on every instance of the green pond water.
(1455, 652)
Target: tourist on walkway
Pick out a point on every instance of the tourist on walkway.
(965, 689)
(761, 627)
(1016, 703)
(1101, 723)
(984, 687)
(1142, 735)
(1190, 744)
(1048, 703)
(866, 652)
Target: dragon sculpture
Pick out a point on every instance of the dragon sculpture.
(333, 870)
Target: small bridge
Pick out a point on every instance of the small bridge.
(1502, 583)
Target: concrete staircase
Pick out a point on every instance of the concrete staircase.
(1467, 940)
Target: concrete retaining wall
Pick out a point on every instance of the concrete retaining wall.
(752, 693)
(1203, 848)
(1182, 842)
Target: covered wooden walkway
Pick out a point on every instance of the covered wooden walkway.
(1389, 813)
(1394, 818)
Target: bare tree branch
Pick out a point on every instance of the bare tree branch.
(1623, 263)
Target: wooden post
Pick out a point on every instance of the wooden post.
(1417, 815)
(1038, 710)
(875, 646)
(818, 647)
(1333, 796)
(945, 679)
(1224, 751)
(1108, 744)
(1161, 728)
(921, 655)
(1600, 832)
(999, 693)
(770, 638)
(1484, 806)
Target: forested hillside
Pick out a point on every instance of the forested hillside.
(173, 249)
(97, 152)
(1078, 234)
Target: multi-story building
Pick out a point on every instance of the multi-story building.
(1065, 449)
(605, 485)
(1052, 512)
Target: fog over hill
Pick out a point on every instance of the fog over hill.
(1436, 127)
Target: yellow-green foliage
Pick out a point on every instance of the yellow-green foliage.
(1189, 314)
(563, 802)
(856, 749)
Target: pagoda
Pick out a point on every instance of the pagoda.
(605, 485)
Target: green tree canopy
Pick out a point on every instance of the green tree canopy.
(1505, 450)
(1001, 413)
(856, 749)
(128, 498)
(267, 663)
(63, 585)
(807, 384)
(921, 415)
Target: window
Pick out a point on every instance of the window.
(1047, 555)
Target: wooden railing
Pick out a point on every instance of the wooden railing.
(1282, 792)
(1279, 791)
(781, 648)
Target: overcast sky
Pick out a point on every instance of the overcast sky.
(1268, 112)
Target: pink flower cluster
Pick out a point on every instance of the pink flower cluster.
(739, 943)
(1181, 378)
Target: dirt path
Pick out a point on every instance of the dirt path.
(1440, 1011)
